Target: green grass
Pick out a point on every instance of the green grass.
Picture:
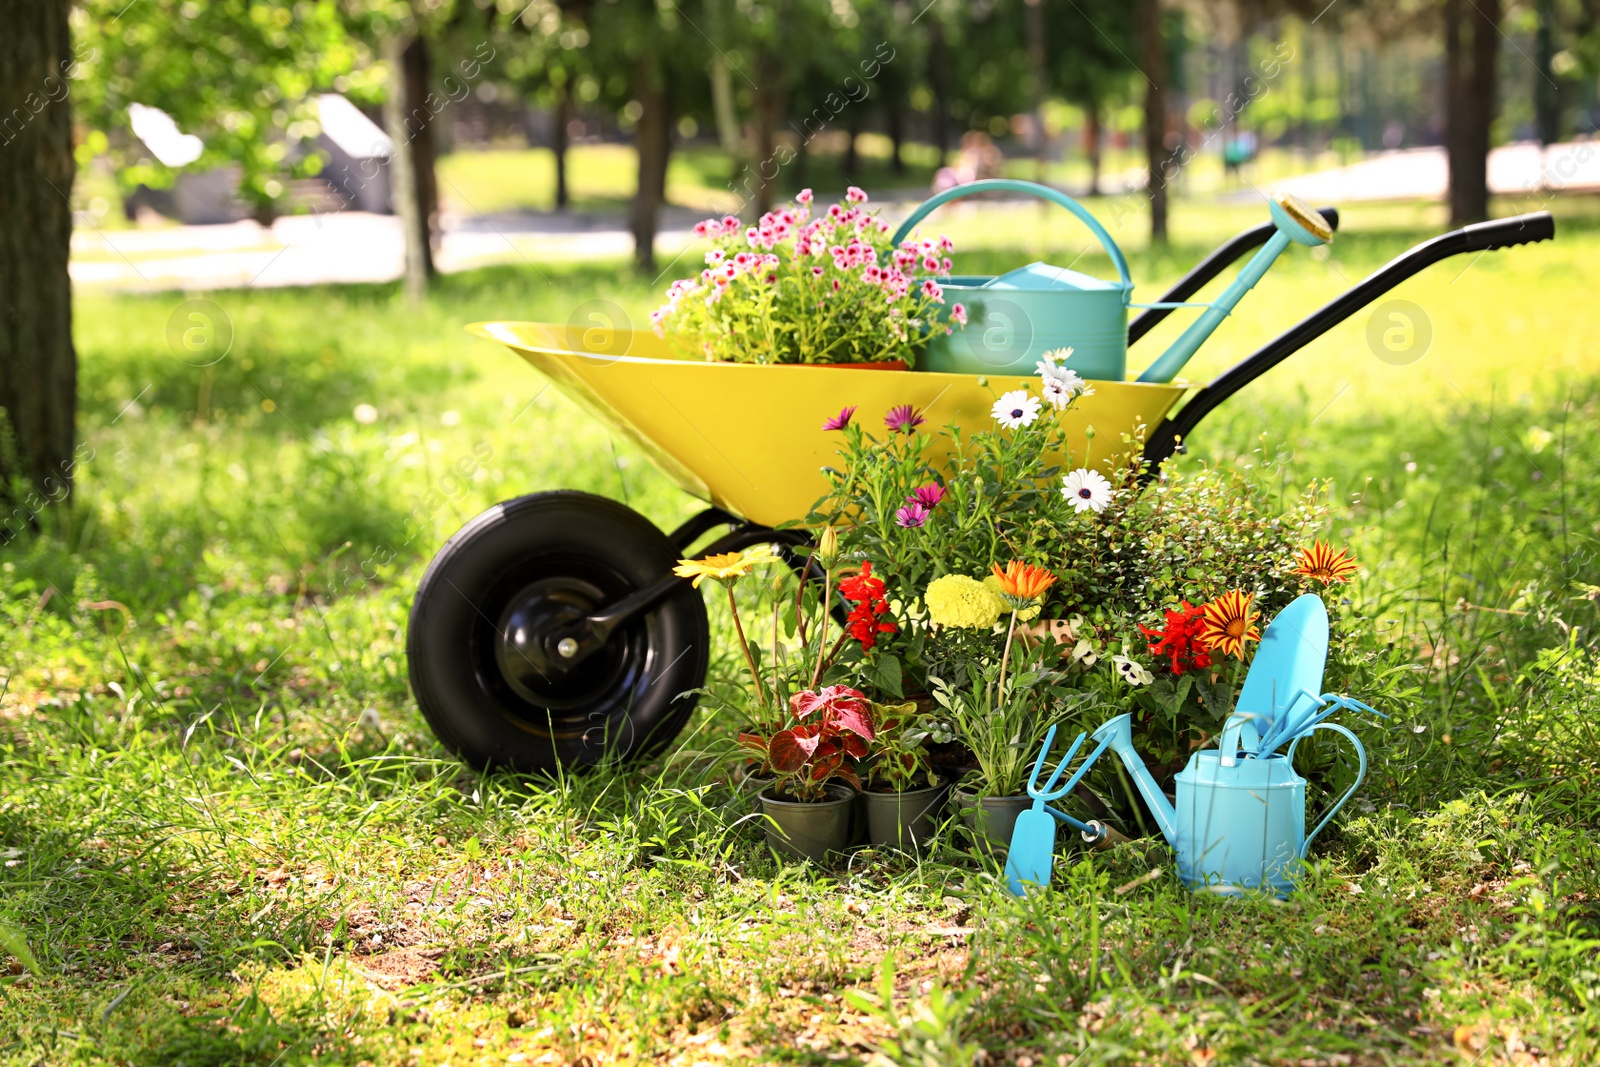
(229, 837)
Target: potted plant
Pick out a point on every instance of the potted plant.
(903, 794)
(810, 804)
(797, 288)
(999, 715)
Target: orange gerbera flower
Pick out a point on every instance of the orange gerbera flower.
(1023, 583)
(1230, 622)
(1321, 562)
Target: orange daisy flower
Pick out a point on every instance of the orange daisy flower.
(1321, 562)
(1023, 583)
(1230, 622)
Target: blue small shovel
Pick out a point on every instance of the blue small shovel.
(1033, 842)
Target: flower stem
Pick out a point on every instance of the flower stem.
(822, 623)
(750, 661)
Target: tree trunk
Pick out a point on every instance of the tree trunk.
(1546, 95)
(1153, 62)
(558, 142)
(652, 136)
(408, 188)
(939, 77)
(38, 367)
(1472, 46)
(896, 119)
(1037, 79)
(852, 158)
(1092, 136)
(768, 106)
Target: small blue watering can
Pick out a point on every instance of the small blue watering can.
(1240, 817)
(1013, 319)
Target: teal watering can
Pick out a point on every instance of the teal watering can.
(1239, 820)
(1013, 319)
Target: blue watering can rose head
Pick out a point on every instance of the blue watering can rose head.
(1015, 318)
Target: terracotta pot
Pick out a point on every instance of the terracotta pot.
(904, 820)
(810, 830)
(991, 820)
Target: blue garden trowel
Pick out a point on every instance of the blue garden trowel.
(1033, 842)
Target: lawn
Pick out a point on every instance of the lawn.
(229, 838)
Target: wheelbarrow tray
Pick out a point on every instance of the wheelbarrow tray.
(748, 438)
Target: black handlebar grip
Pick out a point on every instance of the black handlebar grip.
(1503, 233)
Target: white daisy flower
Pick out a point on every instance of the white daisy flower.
(1054, 356)
(1087, 490)
(1016, 409)
(1132, 673)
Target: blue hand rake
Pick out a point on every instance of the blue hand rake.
(1033, 842)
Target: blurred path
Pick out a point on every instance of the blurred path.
(1422, 174)
(347, 246)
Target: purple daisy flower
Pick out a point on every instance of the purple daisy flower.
(841, 420)
(903, 417)
(927, 496)
(912, 516)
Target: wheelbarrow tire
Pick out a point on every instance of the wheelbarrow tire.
(486, 700)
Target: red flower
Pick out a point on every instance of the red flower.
(1179, 640)
(866, 618)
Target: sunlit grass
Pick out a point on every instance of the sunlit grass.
(229, 837)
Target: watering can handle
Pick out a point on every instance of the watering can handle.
(1013, 185)
(1348, 793)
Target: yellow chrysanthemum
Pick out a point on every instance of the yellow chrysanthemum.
(959, 601)
(994, 585)
(725, 567)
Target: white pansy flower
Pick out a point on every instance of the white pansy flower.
(1131, 672)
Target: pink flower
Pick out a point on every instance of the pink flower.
(931, 290)
(945, 265)
(855, 195)
(841, 420)
(930, 263)
(817, 271)
(927, 495)
(903, 417)
(912, 516)
(803, 196)
(958, 314)
(834, 211)
(744, 260)
(703, 229)
(730, 224)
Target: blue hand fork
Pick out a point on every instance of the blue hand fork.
(1033, 842)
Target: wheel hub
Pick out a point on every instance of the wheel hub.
(532, 651)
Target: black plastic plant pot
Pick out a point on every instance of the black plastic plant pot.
(488, 649)
(810, 830)
(991, 820)
(906, 821)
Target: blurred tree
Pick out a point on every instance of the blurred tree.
(1153, 67)
(242, 75)
(1472, 51)
(1090, 67)
(38, 367)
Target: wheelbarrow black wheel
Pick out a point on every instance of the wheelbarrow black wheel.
(482, 682)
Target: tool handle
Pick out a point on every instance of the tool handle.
(1361, 753)
(1516, 230)
(1043, 192)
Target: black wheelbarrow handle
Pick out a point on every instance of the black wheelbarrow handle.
(1479, 237)
(1209, 268)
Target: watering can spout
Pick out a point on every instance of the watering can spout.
(1118, 733)
(1297, 224)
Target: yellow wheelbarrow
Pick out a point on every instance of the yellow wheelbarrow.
(550, 631)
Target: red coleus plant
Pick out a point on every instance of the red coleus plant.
(866, 618)
(831, 730)
(1179, 640)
